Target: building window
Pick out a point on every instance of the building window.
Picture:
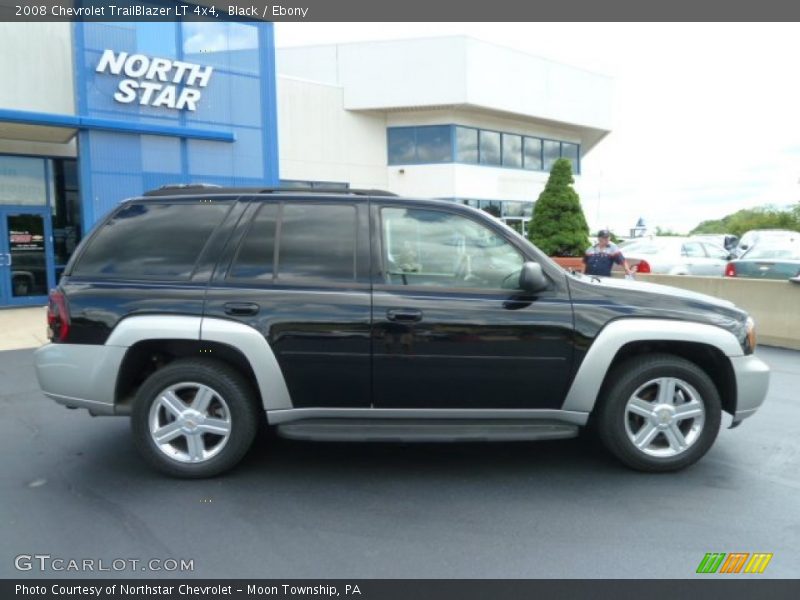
(489, 147)
(533, 154)
(512, 150)
(570, 152)
(552, 152)
(402, 145)
(466, 145)
(299, 183)
(436, 144)
(413, 145)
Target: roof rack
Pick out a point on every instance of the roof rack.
(180, 189)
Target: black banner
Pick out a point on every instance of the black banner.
(399, 589)
(408, 10)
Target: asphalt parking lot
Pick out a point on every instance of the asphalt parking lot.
(73, 487)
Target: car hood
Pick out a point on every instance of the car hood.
(628, 285)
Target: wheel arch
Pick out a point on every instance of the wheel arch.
(707, 346)
(154, 341)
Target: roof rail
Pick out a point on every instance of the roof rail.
(180, 189)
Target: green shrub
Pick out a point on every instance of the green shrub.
(558, 226)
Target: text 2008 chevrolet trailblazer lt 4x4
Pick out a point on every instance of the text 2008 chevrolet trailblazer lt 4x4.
(363, 316)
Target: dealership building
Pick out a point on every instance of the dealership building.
(92, 113)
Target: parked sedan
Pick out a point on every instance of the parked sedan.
(677, 256)
(768, 260)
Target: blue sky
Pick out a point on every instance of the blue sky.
(706, 116)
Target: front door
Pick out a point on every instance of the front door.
(25, 256)
(450, 328)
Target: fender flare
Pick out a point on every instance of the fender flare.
(246, 340)
(583, 392)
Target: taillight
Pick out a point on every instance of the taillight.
(643, 267)
(730, 270)
(57, 317)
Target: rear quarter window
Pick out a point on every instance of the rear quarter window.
(151, 240)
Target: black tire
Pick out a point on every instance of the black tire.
(624, 381)
(233, 392)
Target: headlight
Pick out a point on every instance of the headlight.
(751, 335)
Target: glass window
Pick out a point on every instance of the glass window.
(402, 145)
(512, 150)
(489, 147)
(151, 240)
(256, 254)
(717, 252)
(552, 152)
(533, 154)
(466, 145)
(318, 241)
(433, 144)
(693, 250)
(22, 181)
(570, 152)
(435, 248)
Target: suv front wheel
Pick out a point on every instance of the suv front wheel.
(194, 418)
(659, 413)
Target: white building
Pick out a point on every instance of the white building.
(448, 117)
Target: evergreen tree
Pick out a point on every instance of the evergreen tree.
(558, 226)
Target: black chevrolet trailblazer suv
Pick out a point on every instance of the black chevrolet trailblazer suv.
(359, 315)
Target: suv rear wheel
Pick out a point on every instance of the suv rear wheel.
(194, 418)
(660, 413)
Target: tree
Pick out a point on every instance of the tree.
(558, 226)
(765, 217)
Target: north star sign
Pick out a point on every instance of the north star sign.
(154, 81)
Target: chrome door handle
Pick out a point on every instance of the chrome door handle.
(8, 264)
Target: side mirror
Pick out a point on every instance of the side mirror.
(743, 246)
(531, 278)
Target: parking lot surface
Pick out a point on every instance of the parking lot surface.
(73, 487)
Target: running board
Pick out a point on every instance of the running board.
(424, 430)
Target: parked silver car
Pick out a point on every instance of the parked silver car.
(677, 256)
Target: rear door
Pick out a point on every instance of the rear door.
(298, 272)
(450, 328)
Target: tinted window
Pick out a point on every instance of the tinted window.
(570, 152)
(256, 254)
(490, 147)
(149, 239)
(401, 146)
(715, 251)
(318, 241)
(552, 152)
(512, 150)
(434, 248)
(466, 145)
(433, 144)
(533, 154)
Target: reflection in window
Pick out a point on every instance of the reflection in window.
(552, 152)
(533, 154)
(402, 149)
(570, 152)
(489, 147)
(512, 150)
(433, 144)
(433, 248)
(466, 145)
(232, 46)
(256, 253)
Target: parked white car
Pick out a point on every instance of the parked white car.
(676, 256)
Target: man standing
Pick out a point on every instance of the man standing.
(603, 255)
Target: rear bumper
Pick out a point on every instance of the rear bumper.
(752, 383)
(79, 375)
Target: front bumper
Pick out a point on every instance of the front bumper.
(752, 383)
(80, 375)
